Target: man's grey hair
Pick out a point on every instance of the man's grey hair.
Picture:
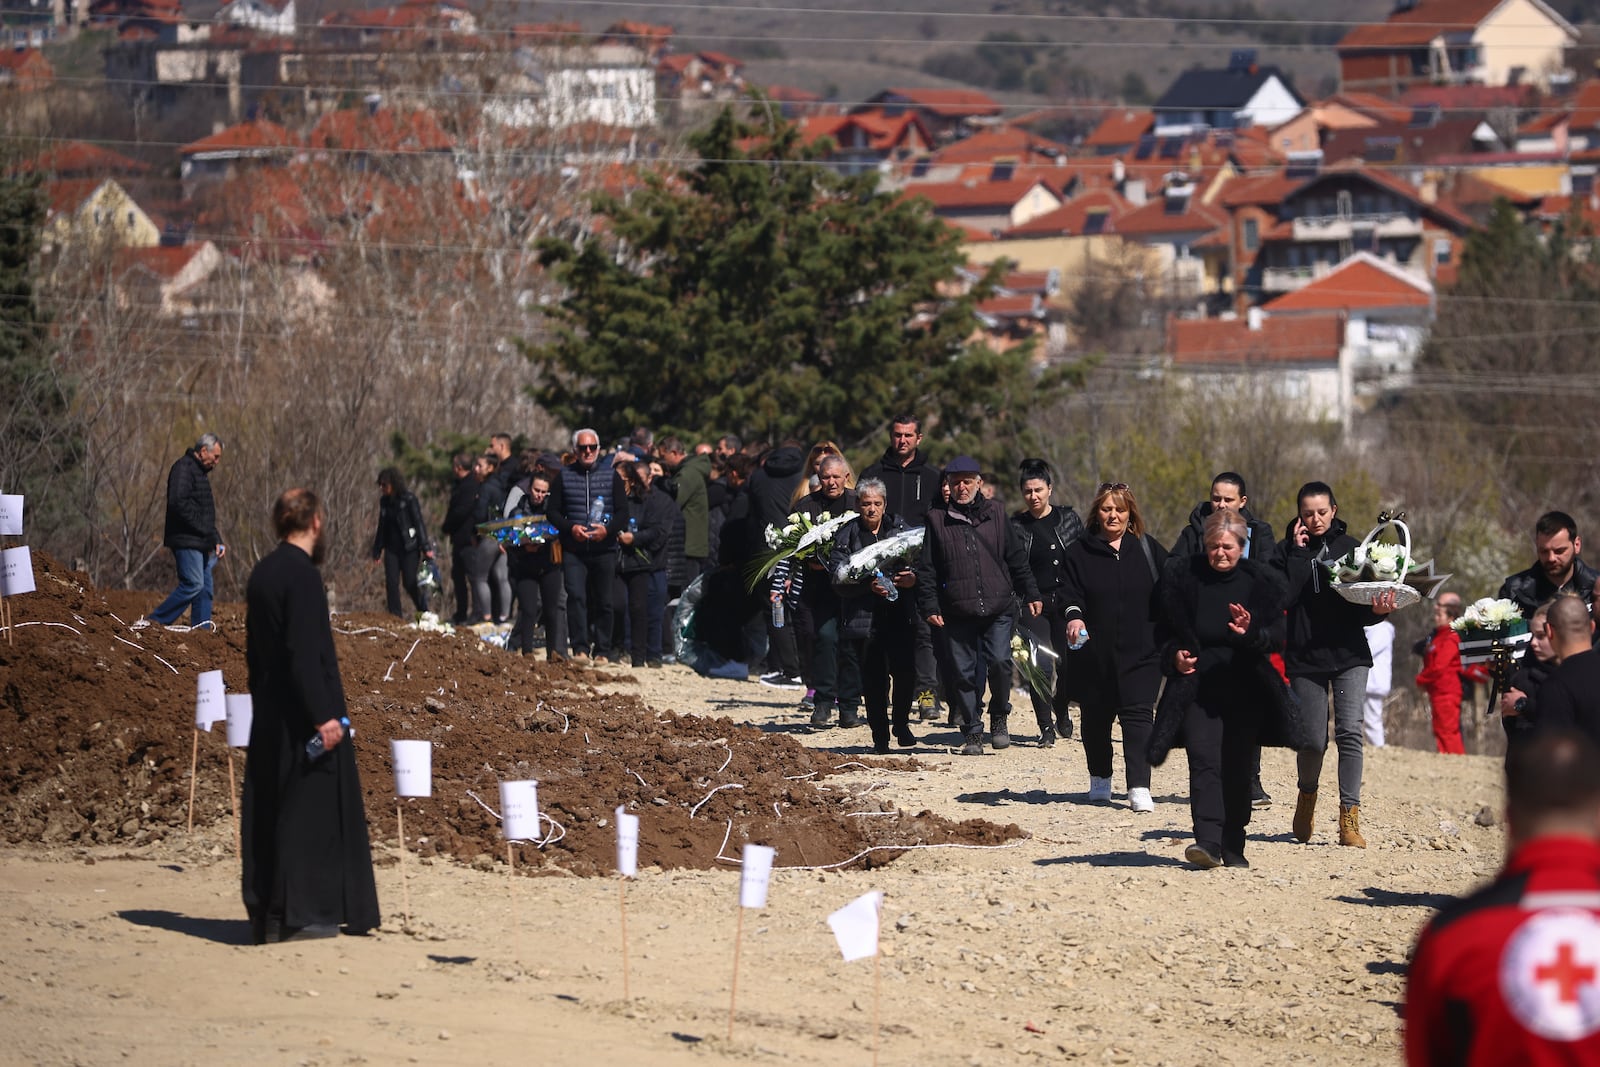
(833, 459)
(579, 433)
(872, 485)
(207, 441)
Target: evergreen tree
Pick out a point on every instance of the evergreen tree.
(760, 293)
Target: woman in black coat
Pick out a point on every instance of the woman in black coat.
(643, 565)
(1109, 586)
(535, 569)
(1326, 654)
(1225, 616)
(401, 541)
(1046, 530)
(876, 636)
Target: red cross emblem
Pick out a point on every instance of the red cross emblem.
(1550, 974)
(1568, 975)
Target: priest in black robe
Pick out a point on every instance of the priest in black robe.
(307, 860)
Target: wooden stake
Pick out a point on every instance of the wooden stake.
(622, 903)
(194, 763)
(233, 796)
(877, 997)
(733, 993)
(405, 882)
(516, 918)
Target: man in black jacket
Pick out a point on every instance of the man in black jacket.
(1557, 568)
(972, 565)
(768, 493)
(461, 529)
(911, 487)
(191, 533)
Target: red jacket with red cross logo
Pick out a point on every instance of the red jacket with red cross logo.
(1511, 973)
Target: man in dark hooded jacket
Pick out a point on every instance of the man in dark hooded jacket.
(911, 487)
(769, 491)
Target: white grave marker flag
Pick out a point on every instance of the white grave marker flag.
(755, 875)
(413, 768)
(855, 926)
(241, 710)
(10, 515)
(519, 811)
(627, 844)
(210, 704)
(16, 571)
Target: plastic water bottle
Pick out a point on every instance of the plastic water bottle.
(633, 525)
(1083, 639)
(890, 593)
(314, 748)
(597, 510)
(777, 611)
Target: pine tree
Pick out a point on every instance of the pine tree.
(758, 292)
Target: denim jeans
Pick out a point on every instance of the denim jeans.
(194, 588)
(977, 650)
(590, 614)
(1349, 689)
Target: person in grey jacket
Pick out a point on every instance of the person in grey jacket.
(191, 534)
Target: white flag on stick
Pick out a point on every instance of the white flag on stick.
(755, 875)
(210, 700)
(519, 811)
(16, 571)
(627, 844)
(10, 515)
(241, 710)
(855, 926)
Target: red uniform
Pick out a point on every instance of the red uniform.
(1441, 679)
(1511, 973)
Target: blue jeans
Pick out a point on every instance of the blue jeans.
(977, 650)
(194, 588)
(1349, 689)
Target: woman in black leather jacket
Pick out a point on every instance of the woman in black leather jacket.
(401, 541)
(1045, 530)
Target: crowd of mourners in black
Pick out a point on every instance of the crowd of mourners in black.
(1253, 643)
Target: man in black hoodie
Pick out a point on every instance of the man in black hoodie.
(769, 491)
(1227, 494)
(911, 487)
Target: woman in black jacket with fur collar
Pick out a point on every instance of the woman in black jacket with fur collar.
(1225, 616)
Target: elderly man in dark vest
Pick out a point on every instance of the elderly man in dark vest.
(972, 566)
(589, 505)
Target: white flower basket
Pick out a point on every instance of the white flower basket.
(1365, 592)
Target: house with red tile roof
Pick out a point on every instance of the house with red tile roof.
(652, 40)
(80, 159)
(168, 282)
(794, 102)
(91, 216)
(987, 205)
(218, 157)
(25, 70)
(1431, 42)
(374, 134)
(946, 113)
(400, 26)
(700, 75)
(865, 141)
(272, 17)
(1119, 131)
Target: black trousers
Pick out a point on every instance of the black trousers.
(977, 650)
(1221, 738)
(461, 579)
(589, 578)
(885, 658)
(1137, 719)
(541, 597)
(401, 569)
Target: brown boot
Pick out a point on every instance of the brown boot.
(1304, 808)
(1350, 826)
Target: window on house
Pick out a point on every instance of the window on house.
(1252, 235)
(99, 217)
(130, 218)
(1441, 251)
(1582, 183)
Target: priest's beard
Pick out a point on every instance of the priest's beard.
(319, 548)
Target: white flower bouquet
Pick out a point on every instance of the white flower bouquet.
(1488, 627)
(802, 537)
(889, 554)
(1026, 655)
(1376, 567)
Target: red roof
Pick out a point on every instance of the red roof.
(1154, 218)
(1420, 24)
(1552, 208)
(65, 196)
(1360, 282)
(1586, 105)
(1454, 98)
(1000, 196)
(1286, 339)
(882, 133)
(162, 262)
(1121, 127)
(359, 130)
(539, 32)
(1007, 144)
(946, 103)
(78, 158)
(1022, 306)
(1072, 218)
(1379, 107)
(246, 137)
(1028, 281)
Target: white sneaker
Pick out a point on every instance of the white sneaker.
(1099, 789)
(1139, 800)
(139, 624)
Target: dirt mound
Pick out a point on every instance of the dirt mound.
(97, 727)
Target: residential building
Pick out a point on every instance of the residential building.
(272, 17)
(947, 114)
(224, 153)
(1483, 42)
(867, 140)
(1297, 360)
(1242, 95)
(89, 217)
(1119, 131)
(987, 206)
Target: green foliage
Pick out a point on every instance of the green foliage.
(760, 294)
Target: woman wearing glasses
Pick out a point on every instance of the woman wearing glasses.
(1109, 585)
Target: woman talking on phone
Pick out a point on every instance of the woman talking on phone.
(1327, 655)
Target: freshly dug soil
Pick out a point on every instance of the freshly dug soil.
(96, 735)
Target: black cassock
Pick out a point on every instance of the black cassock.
(307, 860)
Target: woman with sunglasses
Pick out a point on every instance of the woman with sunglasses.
(1109, 582)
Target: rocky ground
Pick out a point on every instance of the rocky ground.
(1054, 928)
